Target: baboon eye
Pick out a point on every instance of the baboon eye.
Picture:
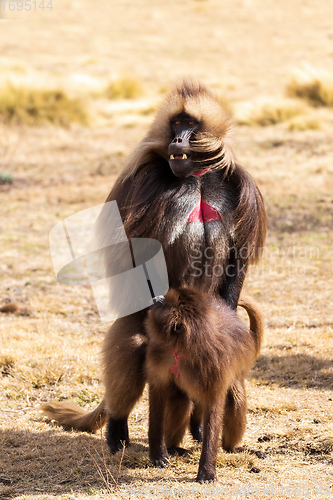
(191, 123)
(177, 123)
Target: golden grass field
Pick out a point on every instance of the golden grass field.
(78, 88)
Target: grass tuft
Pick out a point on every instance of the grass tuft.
(235, 460)
(323, 447)
(313, 86)
(6, 178)
(302, 123)
(150, 110)
(6, 364)
(124, 88)
(27, 106)
(271, 113)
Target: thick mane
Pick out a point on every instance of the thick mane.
(198, 101)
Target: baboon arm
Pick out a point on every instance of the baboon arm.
(233, 284)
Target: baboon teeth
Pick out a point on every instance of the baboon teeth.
(178, 157)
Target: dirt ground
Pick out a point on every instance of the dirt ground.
(247, 50)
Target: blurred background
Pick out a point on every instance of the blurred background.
(246, 49)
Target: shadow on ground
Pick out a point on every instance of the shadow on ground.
(57, 462)
(294, 370)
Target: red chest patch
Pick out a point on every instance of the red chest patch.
(175, 369)
(204, 213)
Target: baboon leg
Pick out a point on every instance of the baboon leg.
(212, 423)
(157, 449)
(196, 423)
(234, 416)
(117, 434)
(176, 418)
(124, 378)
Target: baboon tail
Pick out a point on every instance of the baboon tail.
(70, 415)
(256, 320)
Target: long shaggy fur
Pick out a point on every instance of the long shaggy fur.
(215, 352)
(73, 416)
(154, 203)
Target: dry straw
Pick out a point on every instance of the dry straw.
(269, 112)
(124, 88)
(316, 87)
(32, 106)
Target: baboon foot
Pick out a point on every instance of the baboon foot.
(117, 434)
(160, 458)
(206, 475)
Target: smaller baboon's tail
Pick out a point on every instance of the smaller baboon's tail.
(70, 415)
(256, 320)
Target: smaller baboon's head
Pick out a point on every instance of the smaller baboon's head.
(182, 316)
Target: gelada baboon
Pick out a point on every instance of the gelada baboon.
(198, 348)
(182, 187)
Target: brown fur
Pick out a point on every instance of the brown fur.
(153, 203)
(217, 351)
(11, 307)
(71, 415)
(144, 206)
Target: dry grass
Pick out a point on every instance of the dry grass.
(316, 87)
(124, 88)
(269, 113)
(27, 106)
(54, 352)
(304, 123)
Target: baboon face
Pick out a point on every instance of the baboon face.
(191, 131)
(183, 128)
